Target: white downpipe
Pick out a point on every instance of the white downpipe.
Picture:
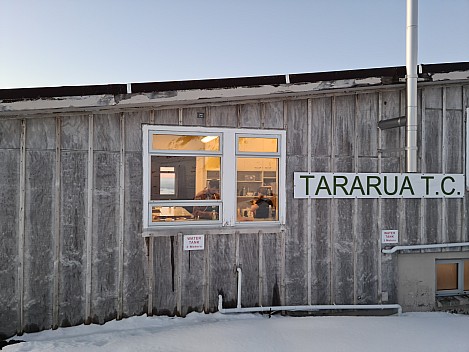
(305, 308)
(240, 274)
(411, 69)
(425, 246)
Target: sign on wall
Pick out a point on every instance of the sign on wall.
(194, 242)
(375, 185)
(389, 236)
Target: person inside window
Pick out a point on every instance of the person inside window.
(208, 193)
(262, 207)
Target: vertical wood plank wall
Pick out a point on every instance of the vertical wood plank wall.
(82, 257)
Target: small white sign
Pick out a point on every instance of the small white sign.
(389, 236)
(194, 242)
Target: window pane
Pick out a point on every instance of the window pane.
(184, 213)
(257, 189)
(167, 183)
(180, 142)
(466, 275)
(258, 145)
(193, 177)
(447, 276)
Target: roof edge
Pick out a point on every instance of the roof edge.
(392, 75)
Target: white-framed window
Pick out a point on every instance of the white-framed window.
(452, 277)
(210, 176)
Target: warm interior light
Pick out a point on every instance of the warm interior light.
(207, 139)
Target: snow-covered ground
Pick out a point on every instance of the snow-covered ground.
(414, 332)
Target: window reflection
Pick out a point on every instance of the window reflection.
(466, 275)
(256, 144)
(185, 213)
(257, 189)
(447, 276)
(189, 176)
(185, 142)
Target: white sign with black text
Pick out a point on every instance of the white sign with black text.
(194, 242)
(376, 185)
(389, 236)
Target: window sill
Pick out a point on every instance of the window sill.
(452, 302)
(213, 230)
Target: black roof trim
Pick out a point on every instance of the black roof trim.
(444, 68)
(66, 91)
(207, 84)
(394, 72)
(391, 73)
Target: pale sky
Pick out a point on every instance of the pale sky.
(85, 42)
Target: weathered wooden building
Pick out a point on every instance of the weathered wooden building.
(100, 196)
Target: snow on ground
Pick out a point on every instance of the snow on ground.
(414, 332)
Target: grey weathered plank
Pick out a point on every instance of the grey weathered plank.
(106, 132)
(410, 221)
(190, 118)
(165, 275)
(322, 164)
(390, 164)
(105, 236)
(433, 139)
(296, 240)
(222, 275)
(321, 127)
(433, 97)
(223, 116)
(390, 220)
(72, 238)
(367, 251)
(391, 108)
(454, 219)
(41, 133)
(389, 273)
(192, 295)
(454, 98)
(10, 131)
(273, 115)
(74, 132)
(342, 267)
(135, 284)
(344, 125)
(367, 124)
(133, 129)
(367, 234)
(9, 206)
(344, 164)
(454, 156)
(321, 252)
(167, 116)
(271, 270)
(465, 94)
(432, 220)
(297, 136)
(249, 261)
(250, 115)
(39, 239)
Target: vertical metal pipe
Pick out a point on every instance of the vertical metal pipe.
(411, 69)
(310, 207)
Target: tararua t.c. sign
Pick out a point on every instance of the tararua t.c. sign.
(375, 185)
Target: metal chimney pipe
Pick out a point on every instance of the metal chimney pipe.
(411, 69)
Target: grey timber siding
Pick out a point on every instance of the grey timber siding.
(72, 249)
